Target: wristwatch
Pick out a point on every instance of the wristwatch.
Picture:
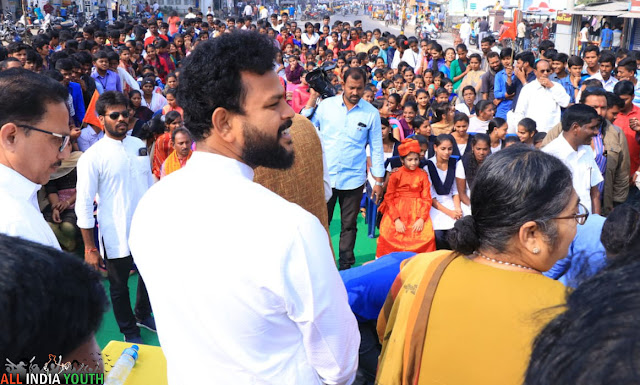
(379, 184)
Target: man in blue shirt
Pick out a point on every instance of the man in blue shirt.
(347, 125)
(65, 66)
(606, 37)
(502, 99)
(560, 74)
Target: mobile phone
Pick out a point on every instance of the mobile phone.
(412, 86)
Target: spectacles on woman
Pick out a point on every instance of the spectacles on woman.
(580, 217)
(65, 138)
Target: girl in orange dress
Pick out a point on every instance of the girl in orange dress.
(406, 225)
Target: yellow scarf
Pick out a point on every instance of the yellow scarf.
(172, 163)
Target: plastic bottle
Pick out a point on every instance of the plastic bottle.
(120, 371)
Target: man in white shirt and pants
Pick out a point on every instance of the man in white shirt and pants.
(34, 140)
(115, 172)
(580, 123)
(245, 285)
(541, 99)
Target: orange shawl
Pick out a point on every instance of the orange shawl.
(173, 163)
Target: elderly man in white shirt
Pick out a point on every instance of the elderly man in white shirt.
(542, 99)
(115, 172)
(244, 281)
(580, 124)
(34, 140)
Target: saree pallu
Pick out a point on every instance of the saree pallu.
(408, 198)
(450, 320)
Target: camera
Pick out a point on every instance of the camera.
(318, 79)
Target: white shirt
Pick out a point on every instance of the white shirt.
(248, 11)
(440, 220)
(410, 57)
(606, 84)
(114, 174)
(476, 125)
(583, 35)
(21, 216)
(88, 137)
(157, 102)
(310, 40)
(541, 104)
(244, 284)
(465, 30)
(584, 169)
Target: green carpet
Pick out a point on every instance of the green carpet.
(365, 250)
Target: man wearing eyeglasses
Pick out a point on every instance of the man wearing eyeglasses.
(34, 140)
(116, 172)
(541, 99)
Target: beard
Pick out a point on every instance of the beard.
(111, 129)
(263, 150)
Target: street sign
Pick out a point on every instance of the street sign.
(472, 6)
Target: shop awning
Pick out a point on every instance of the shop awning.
(615, 8)
(630, 15)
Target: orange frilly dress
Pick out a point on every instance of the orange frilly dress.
(408, 197)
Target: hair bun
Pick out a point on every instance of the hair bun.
(463, 238)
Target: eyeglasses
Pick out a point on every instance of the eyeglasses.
(580, 217)
(65, 138)
(116, 115)
(548, 71)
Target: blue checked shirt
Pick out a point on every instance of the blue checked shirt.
(345, 135)
(500, 92)
(565, 82)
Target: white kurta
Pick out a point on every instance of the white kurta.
(116, 174)
(20, 215)
(440, 220)
(243, 283)
(541, 104)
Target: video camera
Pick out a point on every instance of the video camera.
(318, 79)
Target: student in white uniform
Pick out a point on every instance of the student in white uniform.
(34, 140)
(446, 207)
(468, 167)
(497, 131)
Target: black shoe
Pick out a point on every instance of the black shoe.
(134, 339)
(344, 267)
(148, 323)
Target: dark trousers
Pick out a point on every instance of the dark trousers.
(349, 208)
(369, 351)
(118, 270)
(442, 243)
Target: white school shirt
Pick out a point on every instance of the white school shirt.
(439, 219)
(584, 169)
(244, 284)
(477, 126)
(116, 173)
(20, 214)
(606, 84)
(542, 104)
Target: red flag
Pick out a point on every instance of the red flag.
(90, 116)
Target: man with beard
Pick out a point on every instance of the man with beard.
(34, 140)
(347, 125)
(488, 79)
(254, 295)
(116, 172)
(580, 125)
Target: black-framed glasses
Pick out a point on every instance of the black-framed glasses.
(65, 138)
(580, 217)
(116, 115)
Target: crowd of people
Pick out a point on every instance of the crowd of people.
(196, 151)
